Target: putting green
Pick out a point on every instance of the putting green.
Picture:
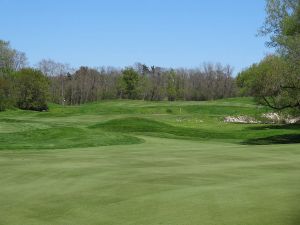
(161, 181)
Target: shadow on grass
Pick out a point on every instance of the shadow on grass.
(276, 127)
(277, 139)
(296, 220)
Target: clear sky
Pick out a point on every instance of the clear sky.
(168, 33)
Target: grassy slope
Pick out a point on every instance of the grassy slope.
(117, 122)
(203, 175)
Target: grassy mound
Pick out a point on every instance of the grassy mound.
(245, 134)
(152, 127)
(134, 124)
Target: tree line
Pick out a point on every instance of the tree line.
(138, 82)
(49, 81)
(274, 82)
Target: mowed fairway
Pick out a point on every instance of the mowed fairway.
(135, 162)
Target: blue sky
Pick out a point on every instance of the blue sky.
(168, 33)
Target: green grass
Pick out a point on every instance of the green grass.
(147, 163)
(63, 138)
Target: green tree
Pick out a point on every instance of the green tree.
(269, 82)
(11, 58)
(6, 55)
(130, 80)
(7, 62)
(171, 85)
(6, 95)
(276, 79)
(32, 89)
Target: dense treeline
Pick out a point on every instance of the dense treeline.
(139, 82)
(31, 88)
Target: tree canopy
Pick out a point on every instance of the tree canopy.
(275, 81)
(32, 89)
(21, 87)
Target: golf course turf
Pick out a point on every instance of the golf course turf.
(148, 163)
